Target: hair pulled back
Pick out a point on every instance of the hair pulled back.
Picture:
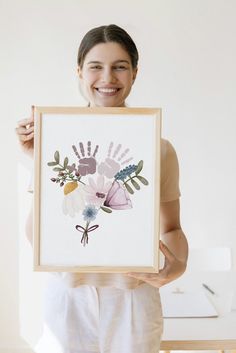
(104, 34)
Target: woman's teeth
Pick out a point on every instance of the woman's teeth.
(107, 90)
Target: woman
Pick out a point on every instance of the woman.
(114, 313)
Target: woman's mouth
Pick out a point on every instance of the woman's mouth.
(107, 91)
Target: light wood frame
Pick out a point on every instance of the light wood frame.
(43, 114)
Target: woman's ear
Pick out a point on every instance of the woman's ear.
(79, 70)
(135, 74)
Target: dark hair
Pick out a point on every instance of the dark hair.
(104, 34)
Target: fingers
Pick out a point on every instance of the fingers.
(136, 275)
(143, 276)
(150, 278)
(28, 122)
(25, 122)
(25, 138)
(24, 130)
(166, 251)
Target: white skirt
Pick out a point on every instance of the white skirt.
(89, 319)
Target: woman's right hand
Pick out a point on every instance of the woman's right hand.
(25, 133)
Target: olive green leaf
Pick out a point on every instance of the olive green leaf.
(129, 189)
(66, 161)
(58, 169)
(139, 167)
(135, 184)
(142, 179)
(57, 157)
(52, 164)
(105, 209)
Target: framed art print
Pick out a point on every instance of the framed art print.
(97, 189)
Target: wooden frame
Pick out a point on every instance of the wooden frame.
(87, 153)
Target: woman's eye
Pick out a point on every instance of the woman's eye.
(120, 67)
(95, 67)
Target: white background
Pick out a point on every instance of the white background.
(187, 67)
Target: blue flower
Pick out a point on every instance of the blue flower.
(124, 173)
(90, 213)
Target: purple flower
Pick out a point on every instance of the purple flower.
(118, 197)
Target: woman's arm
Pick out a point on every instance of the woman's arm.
(174, 246)
(29, 225)
(25, 134)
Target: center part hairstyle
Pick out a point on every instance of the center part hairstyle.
(104, 34)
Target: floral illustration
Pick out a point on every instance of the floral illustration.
(111, 165)
(96, 192)
(91, 186)
(74, 199)
(87, 165)
(118, 197)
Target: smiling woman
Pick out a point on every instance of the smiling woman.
(107, 66)
(107, 82)
(111, 312)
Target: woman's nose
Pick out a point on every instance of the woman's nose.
(108, 76)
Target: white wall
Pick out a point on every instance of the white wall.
(187, 67)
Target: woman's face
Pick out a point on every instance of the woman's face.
(107, 75)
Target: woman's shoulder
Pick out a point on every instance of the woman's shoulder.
(167, 149)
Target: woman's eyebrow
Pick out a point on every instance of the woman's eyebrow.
(115, 62)
(94, 62)
(121, 61)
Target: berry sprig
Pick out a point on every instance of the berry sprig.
(65, 171)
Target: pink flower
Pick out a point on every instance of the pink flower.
(96, 192)
(118, 197)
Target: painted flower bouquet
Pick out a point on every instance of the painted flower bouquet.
(91, 186)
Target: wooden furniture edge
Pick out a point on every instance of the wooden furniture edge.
(198, 345)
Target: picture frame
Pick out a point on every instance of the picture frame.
(97, 189)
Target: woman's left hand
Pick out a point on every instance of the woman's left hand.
(173, 268)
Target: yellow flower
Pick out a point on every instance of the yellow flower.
(69, 187)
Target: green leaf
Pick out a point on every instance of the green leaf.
(129, 189)
(57, 157)
(139, 167)
(105, 209)
(66, 161)
(51, 164)
(135, 184)
(142, 179)
(58, 169)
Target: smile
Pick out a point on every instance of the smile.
(108, 91)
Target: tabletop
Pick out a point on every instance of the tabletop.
(218, 333)
(200, 333)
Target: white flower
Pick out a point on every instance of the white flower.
(96, 191)
(74, 199)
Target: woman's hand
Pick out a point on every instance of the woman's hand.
(173, 268)
(25, 133)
